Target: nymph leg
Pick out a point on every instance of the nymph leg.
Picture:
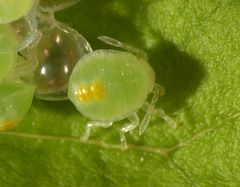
(150, 110)
(94, 124)
(150, 107)
(134, 122)
(111, 41)
(159, 112)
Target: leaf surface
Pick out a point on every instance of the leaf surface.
(194, 49)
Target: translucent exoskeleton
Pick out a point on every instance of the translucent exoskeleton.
(108, 85)
(53, 5)
(57, 52)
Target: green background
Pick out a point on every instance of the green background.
(194, 47)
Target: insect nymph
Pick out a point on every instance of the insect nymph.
(108, 85)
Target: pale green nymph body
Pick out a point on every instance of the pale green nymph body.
(15, 95)
(17, 32)
(108, 85)
(124, 82)
(11, 10)
(15, 101)
(8, 61)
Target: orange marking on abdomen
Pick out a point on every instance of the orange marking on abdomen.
(94, 91)
(7, 125)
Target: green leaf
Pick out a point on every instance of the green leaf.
(194, 49)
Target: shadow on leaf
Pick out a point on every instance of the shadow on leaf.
(177, 71)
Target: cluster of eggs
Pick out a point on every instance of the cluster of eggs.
(51, 61)
(37, 55)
